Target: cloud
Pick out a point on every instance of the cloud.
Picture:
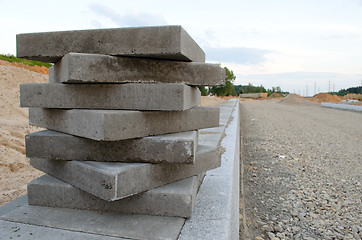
(129, 19)
(239, 55)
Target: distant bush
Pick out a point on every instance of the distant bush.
(12, 58)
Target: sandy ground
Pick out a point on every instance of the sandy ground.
(302, 171)
(15, 172)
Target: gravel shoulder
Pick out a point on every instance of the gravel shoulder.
(302, 171)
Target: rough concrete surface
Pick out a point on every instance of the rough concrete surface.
(172, 148)
(302, 171)
(130, 96)
(175, 199)
(216, 212)
(114, 180)
(97, 68)
(79, 221)
(105, 124)
(21, 231)
(164, 42)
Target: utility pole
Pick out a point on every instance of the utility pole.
(333, 87)
(315, 87)
(329, 86)
(306, 90)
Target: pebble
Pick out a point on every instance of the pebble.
(270, 235)
(13, 167)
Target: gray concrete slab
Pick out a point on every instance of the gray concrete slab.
(98, 68)
(129, 96)
(114, 125)
(175, 199)
(114, 180)
(83, 223)
(163, 42)
(155, 149)
(21, 231)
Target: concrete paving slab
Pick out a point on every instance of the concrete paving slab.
(98, 68)
(175, 199)
(114, 180)
(21, 231)
(171, 148)
(129, 96)
(79, 221)
(114, 125)
(163, 42)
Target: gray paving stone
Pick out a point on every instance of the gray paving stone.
(114, 180)
(129, 96)
(172, 148)
(84, 224)
(164, 42)
(98, 68)
(21, 231)
(113, 125)
(175, 199)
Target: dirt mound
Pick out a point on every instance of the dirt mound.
(325, 97)
(295, 99)
(38, 69)
(353, 96)
(211, 100)
(275, 95)
(15, 172)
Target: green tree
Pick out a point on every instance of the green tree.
(203, 91)
(228, 89)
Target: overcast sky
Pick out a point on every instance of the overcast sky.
(294, 44)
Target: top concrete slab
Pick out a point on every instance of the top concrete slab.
(98, 68)
(164, 42)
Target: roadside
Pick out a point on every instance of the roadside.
(302, 171)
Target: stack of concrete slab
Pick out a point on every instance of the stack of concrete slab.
(121, 109)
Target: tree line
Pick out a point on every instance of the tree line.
(235, 90)
(342, 92)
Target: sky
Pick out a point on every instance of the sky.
(303, 46)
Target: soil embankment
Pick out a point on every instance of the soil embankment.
(15, 172)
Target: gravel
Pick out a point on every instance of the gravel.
(302, 171)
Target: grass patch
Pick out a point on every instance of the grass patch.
(12, 58)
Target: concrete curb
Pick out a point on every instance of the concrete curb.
(342, 106)
(216, 212)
